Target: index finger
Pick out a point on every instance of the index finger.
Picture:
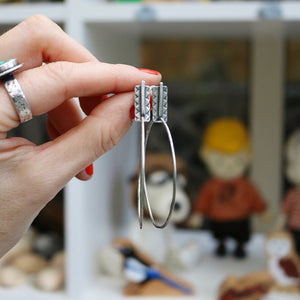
(63, 80)
(60, 81)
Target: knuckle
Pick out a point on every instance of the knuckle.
(113, 136)
(109, 138)
(56, 72)
(38, 22)
(38, 19)
(39, 27)
(106, 144)
(118, 78)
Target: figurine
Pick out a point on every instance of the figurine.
(228, 198)
(143, 275)
(250, 287)
(30, 262)
(283, 261)
(281, 278)
(11, 276)
(290, 216)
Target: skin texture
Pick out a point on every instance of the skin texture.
(56, 69)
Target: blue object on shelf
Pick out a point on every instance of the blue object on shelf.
(271, 10)
(146, 14)
(138, 272)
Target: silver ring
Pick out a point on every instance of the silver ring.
(7, 67)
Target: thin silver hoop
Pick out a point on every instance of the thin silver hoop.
(142, 190)
(159, 115)
(174, 177)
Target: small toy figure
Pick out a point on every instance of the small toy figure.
(144, 276)
(283, 261)
(291, 205)
(250, 287)
(228, 198)
(280, 280)
(30, 262)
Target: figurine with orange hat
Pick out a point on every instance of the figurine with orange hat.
(228, 198)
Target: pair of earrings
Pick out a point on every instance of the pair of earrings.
(158, 114)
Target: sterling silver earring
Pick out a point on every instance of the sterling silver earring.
(158, 114)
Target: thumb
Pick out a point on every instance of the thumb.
(71, 152)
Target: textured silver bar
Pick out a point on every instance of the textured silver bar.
(160, 103)
(142, 103)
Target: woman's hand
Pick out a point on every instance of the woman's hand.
(56, 69)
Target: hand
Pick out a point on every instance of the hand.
(56, 69)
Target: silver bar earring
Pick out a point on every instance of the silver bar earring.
(159, 115)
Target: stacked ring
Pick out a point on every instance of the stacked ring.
(7, 67)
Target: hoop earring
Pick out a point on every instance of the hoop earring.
(159, 114)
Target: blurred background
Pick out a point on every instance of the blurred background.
(237, 59)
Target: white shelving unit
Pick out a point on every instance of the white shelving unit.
(97, 210)
(14, 13)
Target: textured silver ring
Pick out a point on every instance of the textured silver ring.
(7, 67)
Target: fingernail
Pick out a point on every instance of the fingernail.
(132, 112)
(90, 170)
(152, 72)
(105, 97)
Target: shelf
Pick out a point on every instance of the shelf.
(225, 11)
(177, 19)
(173, 11)
(15, 13)
(30, 293)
